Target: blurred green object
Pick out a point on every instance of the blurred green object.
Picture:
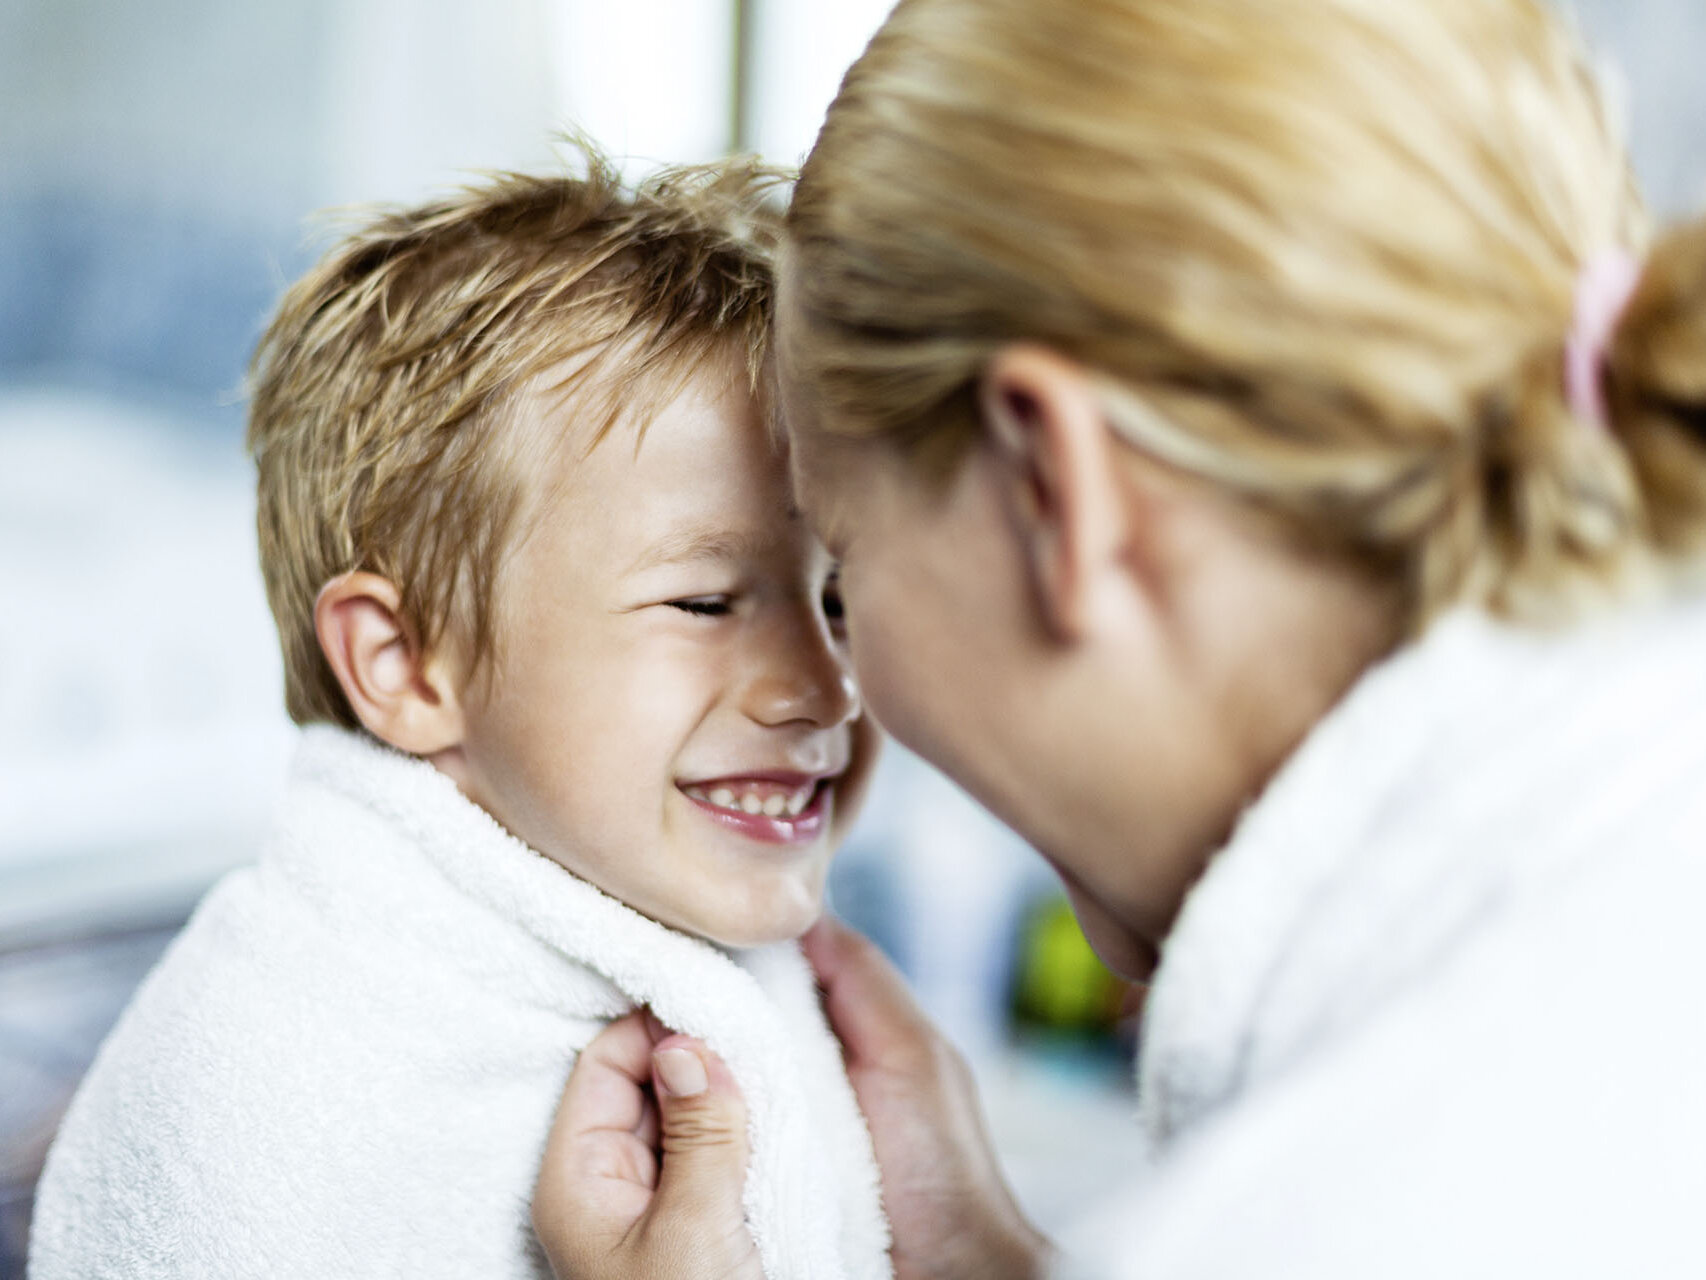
(1059, 984)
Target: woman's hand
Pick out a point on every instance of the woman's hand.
(646, 1163)
(952, 1213)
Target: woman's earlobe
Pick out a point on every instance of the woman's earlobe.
(392, 686)
(1049, 435)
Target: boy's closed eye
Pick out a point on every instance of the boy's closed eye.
(702, 606)
(718, 606)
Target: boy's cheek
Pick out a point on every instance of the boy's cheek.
(867, 745)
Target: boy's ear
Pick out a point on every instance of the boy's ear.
(1056, 455)
(399, 694)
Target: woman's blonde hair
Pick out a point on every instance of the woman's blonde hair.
(1322, 253)
(385, 415)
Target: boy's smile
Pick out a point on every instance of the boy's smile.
(669, 711)
(782, 808)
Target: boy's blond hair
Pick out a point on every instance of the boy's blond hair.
(1322, 253)
(381, 420)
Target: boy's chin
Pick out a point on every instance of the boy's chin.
(760, 930)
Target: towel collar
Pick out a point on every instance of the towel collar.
(1470, 767)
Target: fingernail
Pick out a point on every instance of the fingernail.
(681, 1072)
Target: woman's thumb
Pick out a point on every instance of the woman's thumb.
(702, 1172)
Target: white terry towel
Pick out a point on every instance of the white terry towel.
(348, 1063)
(1435, 1009)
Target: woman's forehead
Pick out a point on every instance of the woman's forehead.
(834, 483)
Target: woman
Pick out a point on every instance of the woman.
(1267, 456)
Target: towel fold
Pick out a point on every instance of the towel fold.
(349, 1061)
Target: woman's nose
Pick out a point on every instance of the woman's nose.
(802, 675)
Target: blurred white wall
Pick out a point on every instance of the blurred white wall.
(162, 100)
(1654, 49)
(652, 81)
(410, 95)
(799, 50)
(275, 106)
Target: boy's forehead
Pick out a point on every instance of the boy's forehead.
(610, 393)
(699, 477)
(697, 540)
(707, 488)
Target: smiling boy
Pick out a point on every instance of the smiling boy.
(670, 614)
(580, 736)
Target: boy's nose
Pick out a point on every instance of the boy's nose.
(808, 679)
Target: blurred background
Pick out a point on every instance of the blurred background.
(159, 160)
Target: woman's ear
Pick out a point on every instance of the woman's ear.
(1050, 435)
(400, 694)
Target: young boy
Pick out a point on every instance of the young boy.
(580, 736)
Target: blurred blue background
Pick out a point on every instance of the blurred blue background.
(158, 163)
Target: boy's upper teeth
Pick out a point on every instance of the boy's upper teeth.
(769, 798)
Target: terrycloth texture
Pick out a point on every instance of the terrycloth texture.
(1436, 1010)
(348, 1063)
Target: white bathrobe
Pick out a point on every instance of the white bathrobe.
(1439, 1009)
(348, 1063)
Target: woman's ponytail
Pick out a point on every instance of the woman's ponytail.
(1656, 387)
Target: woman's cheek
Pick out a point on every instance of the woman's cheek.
(879, 655)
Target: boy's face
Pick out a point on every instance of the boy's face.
(670, 712)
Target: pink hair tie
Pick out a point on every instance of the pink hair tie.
(1603, 290)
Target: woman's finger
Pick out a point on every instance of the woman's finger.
(598, 1175)
(951, 1211)
(608, 1087)
(645, 1168)
(702, 1181)
(868, 1003)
